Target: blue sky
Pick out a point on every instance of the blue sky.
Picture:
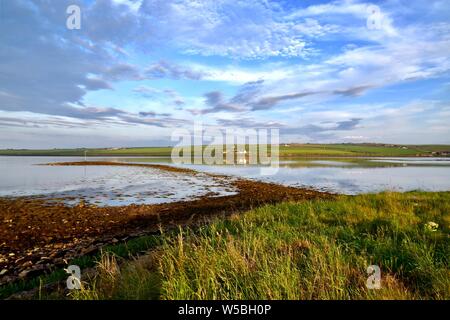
(138, 69)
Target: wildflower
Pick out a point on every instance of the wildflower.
(431, 226)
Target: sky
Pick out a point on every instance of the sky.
(136, 70)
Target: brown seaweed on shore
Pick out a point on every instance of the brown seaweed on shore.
(36, 235)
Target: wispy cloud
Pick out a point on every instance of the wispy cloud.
(215, 102)
(164, 69)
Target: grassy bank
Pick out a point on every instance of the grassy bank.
(293, 150)
(57, 277)
(309, 250)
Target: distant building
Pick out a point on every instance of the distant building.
(242, 161)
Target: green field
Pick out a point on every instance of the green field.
(294, 150)
(330, 150)
(151, 151)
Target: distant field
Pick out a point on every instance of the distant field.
(151, 151)
(295, 150)
(362, 150)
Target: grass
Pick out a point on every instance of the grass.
(120, 251)
(309, 250)
(151, 151)
(345, 150)
(295, 150)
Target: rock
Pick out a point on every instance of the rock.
(23, 274)
(4, 271)
(88, 250)
(18, 260)
(39, 269)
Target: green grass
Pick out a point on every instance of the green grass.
(297, 150)
(309, 250)
(360, 150)
(123, 250)
(152, 151)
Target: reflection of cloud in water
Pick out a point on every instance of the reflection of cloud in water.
(415, 161)
(127, 185)
(105, 185)
(350, 180)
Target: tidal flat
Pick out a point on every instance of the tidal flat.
(38, 234)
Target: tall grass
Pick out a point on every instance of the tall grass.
(308, 250)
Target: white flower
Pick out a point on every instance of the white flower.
(431, 226)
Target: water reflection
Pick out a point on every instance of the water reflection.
(109, 185)
(102, 185)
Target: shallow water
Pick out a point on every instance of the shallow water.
(352, 180)
(102, 185)
(351, 175)
(109, 185)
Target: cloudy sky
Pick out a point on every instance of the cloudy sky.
(320, 71)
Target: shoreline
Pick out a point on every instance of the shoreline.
(263, 247)
(38, 236)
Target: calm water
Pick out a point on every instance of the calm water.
(109, 185)
(352, 180)
(102, 185)
(348, 175)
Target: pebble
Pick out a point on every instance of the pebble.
(23, 274)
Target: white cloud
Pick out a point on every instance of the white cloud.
(335, 7)
(134, 5)
(240, 75)
(238, 29)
